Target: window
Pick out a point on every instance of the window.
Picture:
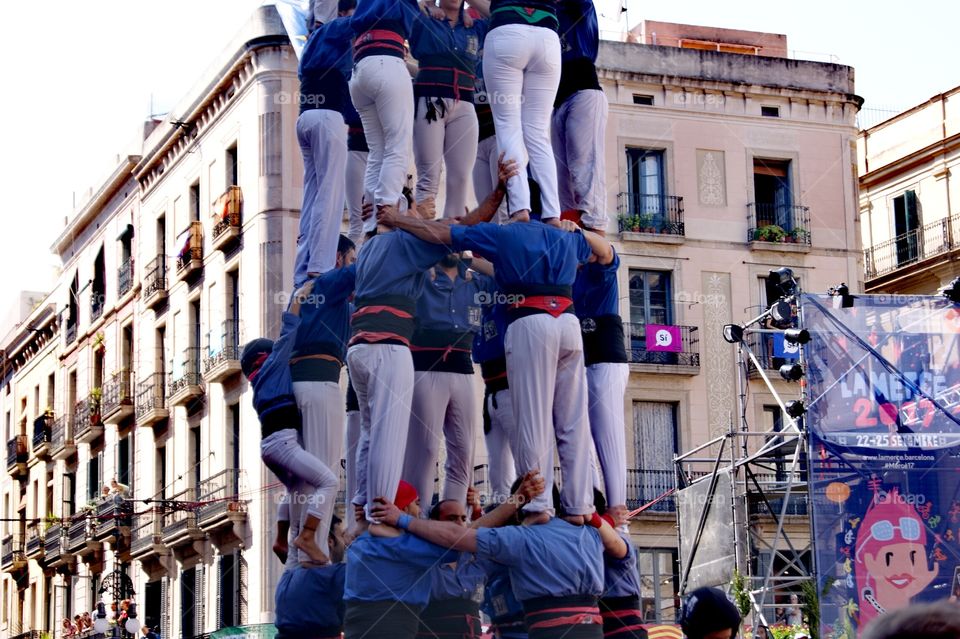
(123, 461)
(773, 421)
(195, 458)
(51, 390)
(37, 411)
(98, 357)
(643, 99)
(98, 294)
(161, 472)
(233, 166)
(646, 185)
(195, 201)
(234, 445)
(770, 111)
(773, 200)
(906, 221)
(71, 393)
(160, 365)
(162, 235)
(655, 445)
(650, 303)
(94, 476)
(659, 581)
(153, 602)
(232, 587)
(68, 503)
(73, 308)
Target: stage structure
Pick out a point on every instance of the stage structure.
(742, 496)
(868, 451)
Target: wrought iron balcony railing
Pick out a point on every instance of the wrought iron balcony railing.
(70, 334)
(155, 279)
(42, 433)
(909, 248)
(151, 398)
(227, 220)
(117, 396)
(223, 351)
(218, 496)
(646, 486)
(778, 223)
(17, 452)
(192, 249)
(87, 418)
(185, 378)
(53, 543)
(125, 277)
(682, 352)
(645, 213)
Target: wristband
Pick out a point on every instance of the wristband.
(595, 520)
(404, 522)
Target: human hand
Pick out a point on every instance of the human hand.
(531, 486)
(385, 512)
(506, 170)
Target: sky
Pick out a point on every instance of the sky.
(80, 77)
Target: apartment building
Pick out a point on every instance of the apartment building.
(908, 198)
(721, 165)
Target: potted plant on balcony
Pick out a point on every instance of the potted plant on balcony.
(50, 521)
(98, 342)
(799, 235)
(96, 394)
(770, 233)
(647, 223)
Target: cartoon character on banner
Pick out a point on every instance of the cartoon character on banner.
(891, 563)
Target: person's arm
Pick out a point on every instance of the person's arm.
(482, 7)
(613, 544)
(482, 266)
(531, 486)
(445, 534)
(426, 230)
(598, 246)
(488, 208)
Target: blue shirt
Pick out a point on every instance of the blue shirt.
(273, 381)
(488, 342)
(462, 578)
(525, 254)
(394, 263)
(381, 14)
(595, 291)
(453, 305)
(499, 603)
(325, 317)
(555, 559)
(433, 40)
(579, 29)
(329, 47)
(392, 568)
(310, 598)
(620, 576)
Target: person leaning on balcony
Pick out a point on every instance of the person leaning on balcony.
(69, 628)
(266, 364)
(116, 488)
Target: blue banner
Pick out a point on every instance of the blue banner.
(784, 349)
(883, 382)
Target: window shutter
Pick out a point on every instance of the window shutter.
(910, 205)
(201, 599)
(241, 600)
(221, 593)
(165, 595)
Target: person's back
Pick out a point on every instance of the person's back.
(940, 620)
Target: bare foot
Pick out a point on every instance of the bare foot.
(520, 216)
(280, 550)
(310, 547)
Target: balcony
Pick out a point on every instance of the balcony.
(62, 445)
(97, 304)
(151, 405)
(125, 277)
(42, 436)
(80, 534)
(221, 512)
(113, 518)
(146, 537)
(185, 381)
(227, 219)
(223, 353)
(190, 257)
(155, 282)
(117, 403)
(778, 226)
(180, 529)
(762, 345)
(34, 545)
(54, 546)
(650, 218)
(12, 557)
(18, 453)
(671, 349)
(908, 251)
(647, 486)
(87, 419)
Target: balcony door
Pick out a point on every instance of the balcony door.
(906, 223)
(651, 302)
(656, 441)
(772, 193)
(646, 185)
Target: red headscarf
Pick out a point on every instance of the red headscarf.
(406, 495)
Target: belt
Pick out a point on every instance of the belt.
(461, 81)
(378, 38)
(382, 323)
(329, 358)
(554, 305)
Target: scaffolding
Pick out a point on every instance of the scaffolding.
(750, 478)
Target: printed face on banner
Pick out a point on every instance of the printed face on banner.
(883, 379)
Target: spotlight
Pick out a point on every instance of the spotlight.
(781, 313)
(133, 624)
(795, 408)
(952, 291)
(100, 623)
(797, 335)
(841, 295)
(782, 278)
(733, 333)
(791, 372)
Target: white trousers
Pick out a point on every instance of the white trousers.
(521, 70)
(444, 407)
(578, 129)
(322, 135)
(451, 141)
(382, 375)
(500, 458)
(606, 386)
(321, 407)
(311, 485)
(353, 439)
(383, 95)
(486, 174)
(356, 168)
(549, 388)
